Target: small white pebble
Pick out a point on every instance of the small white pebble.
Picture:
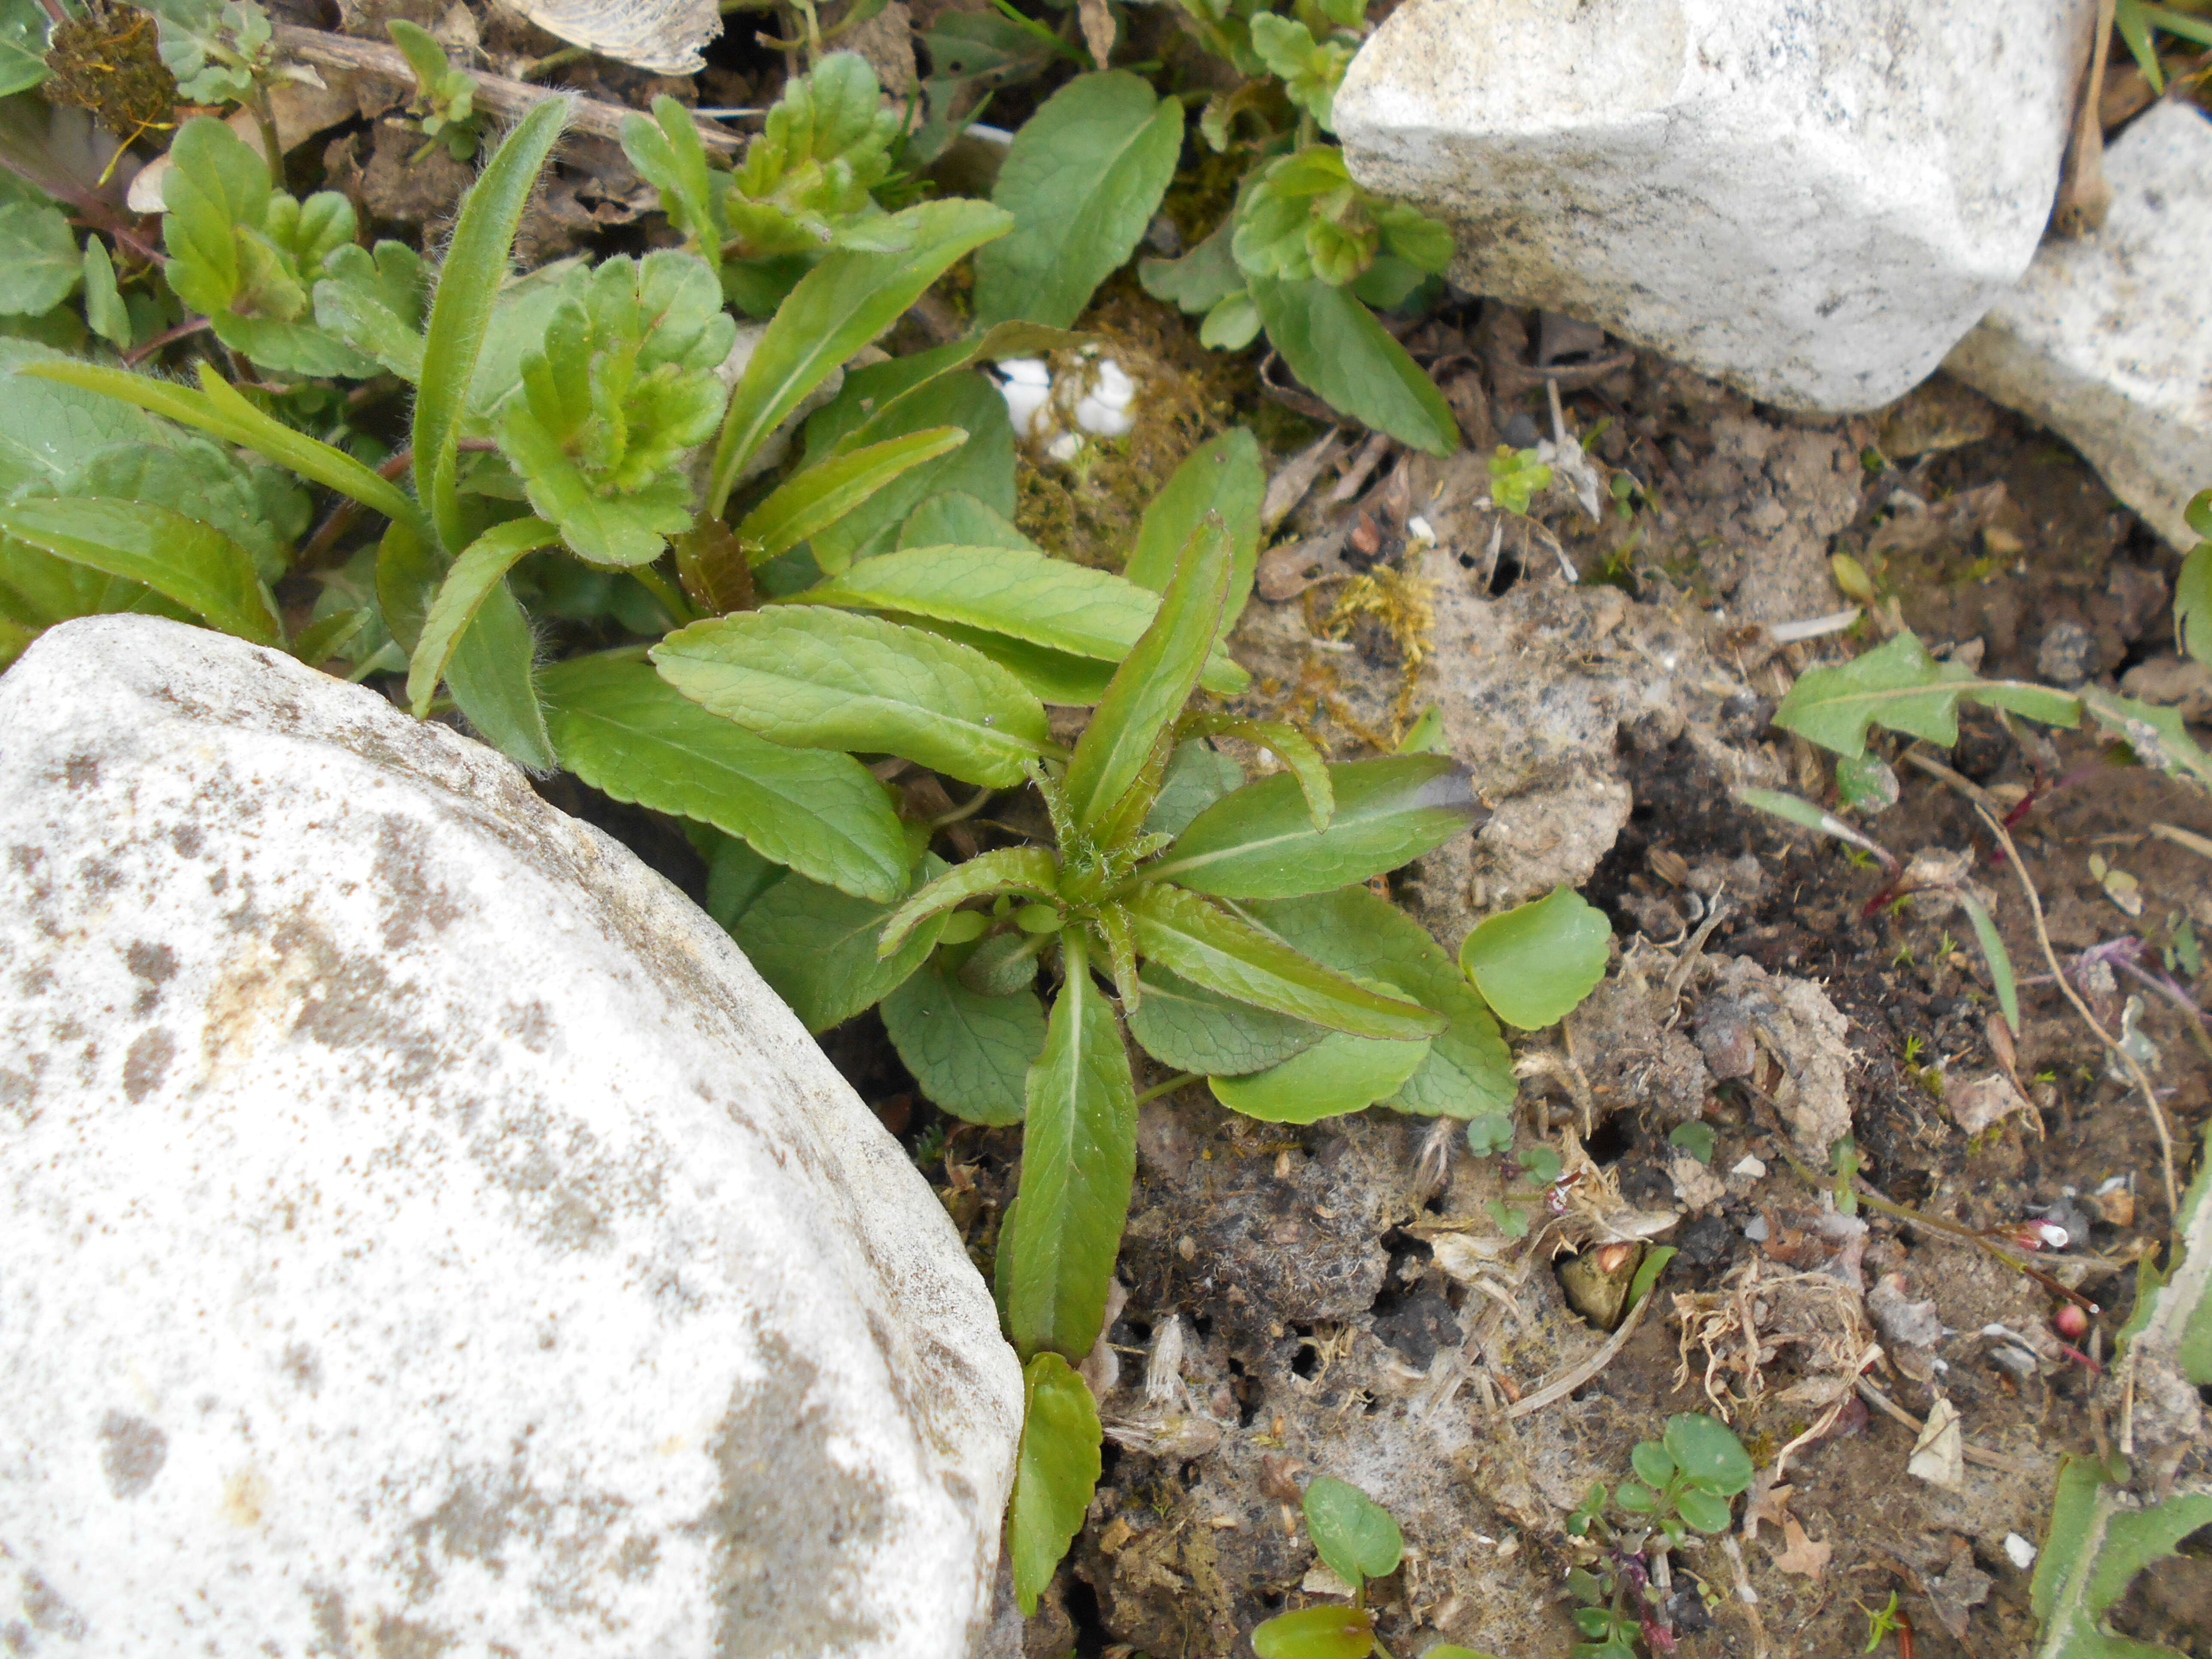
(1065, 447)
(1027, 388)
(2019, 1550)
(1756, 1230)
(1104, 410)
(1750, 1166)
(1420, 529)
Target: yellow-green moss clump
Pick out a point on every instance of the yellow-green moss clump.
(107, 62)
(1087, 509)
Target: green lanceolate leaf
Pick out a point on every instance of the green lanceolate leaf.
(1083, 178)
(820, 495)
(983, 467)
(192, 563)
(105, 313)
(1223, 476)
(1354, 1534)
(468, 287)
(1054, 1472)
(668, 154)
(736, 877)
(1079, 1160)
(839, 306)
(55, 424)
(482, 567)
(952, 517)
(1296, 750)
(970, 1054)
(1150, 686)
(629, 734)
(490, 678)
(490, 674)
(1469, 1072)
(1339, 1074)
(1260, 843)
(2192, 602)
(1898, 685)
(1333, 343)
(1197, 775)
(1995, 954)
(261, 508)
(2100, 1537)
(2158, 736)
(823, 678)
(1050, 675)
(221, 412)
(1537, 961)
(1207, 946)
(1023, 594)
(817, 947)
(1192, 1028)
(1029, 870)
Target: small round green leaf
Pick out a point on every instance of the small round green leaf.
(1355, 1534)
(1653, 1465)
(1339, 1074)
(1316, 1633)
(1633, 1497)
(1709, 1454)
(1492, 1132)
(1533, 963)
(1539, 1165)
(1695, 1139)
(1702, 1509)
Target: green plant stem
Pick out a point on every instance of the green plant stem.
(1180, 1080)
(265, 118)
(679, 609)
(538, 67)
(961, 814)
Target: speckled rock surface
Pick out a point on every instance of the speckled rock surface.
(1812, 202)
(426, 1235)
(2108, 339)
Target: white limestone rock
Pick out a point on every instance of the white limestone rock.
(425, 1233)
(2108, 339)
(1813, 202)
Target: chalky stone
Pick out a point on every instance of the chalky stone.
(424, 1233)
(2108, 338)
(1813, 202)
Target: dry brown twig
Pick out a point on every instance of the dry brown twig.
(495, 94)
(1988, 1460)
(2134, 1068)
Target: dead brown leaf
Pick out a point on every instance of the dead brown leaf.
(1097, 30)
(1804, 1555)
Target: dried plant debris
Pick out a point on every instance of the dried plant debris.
(1784, 1038)
(661, 35)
